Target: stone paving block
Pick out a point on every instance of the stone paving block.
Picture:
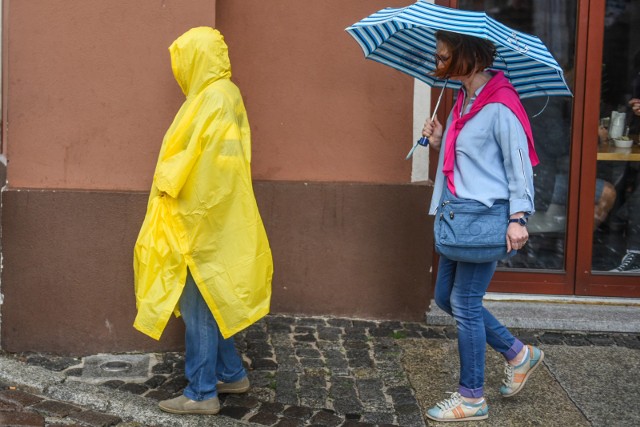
(401, 395)
(311, 321)
(601, 340)
(350, 423)
(552, 338)
(348, 405)
(308, 352)
(158, 395)
(392, 324)
(256, 335)
(354, 334)
(298, 412)
(95, 419)
(155, 381)
(73, 372)
(370, 391)
(53, 363)
(260, 378)
(264, 418)
(5, 406)
(113, 383)
(313, 397)
(274, 408)
(450, 332)
(134, 388)
(304, 330)
(382, 332)
(627, 341)
(432, 333)
(162, 368)
(234, 412)
(356, 345)
(311, 363)
(364, 324)
(241, 401)
(264, 364)
(378, 418)
(340, 323)
(19, 398)
(55, 408)
(329, 333)
(19, 419)
(304, 337)
(326, 418)
(409, 415)
(289, 422)
(174, 385)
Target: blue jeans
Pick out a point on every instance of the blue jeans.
(208, 356)
(460, 287)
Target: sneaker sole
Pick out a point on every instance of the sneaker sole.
(192, 412)
(232, 390)
(459, 420)
(526, 377)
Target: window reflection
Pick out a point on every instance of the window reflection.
(554, 22)
(616, 246)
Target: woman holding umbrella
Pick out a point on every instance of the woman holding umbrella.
(486, 154)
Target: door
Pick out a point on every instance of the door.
(609, 257)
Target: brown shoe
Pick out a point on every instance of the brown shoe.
(184, 405)
(240, 386)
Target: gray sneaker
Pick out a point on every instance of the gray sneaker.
(630, 263)
(184, 405)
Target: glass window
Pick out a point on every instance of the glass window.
(554, 22)
(616, 244)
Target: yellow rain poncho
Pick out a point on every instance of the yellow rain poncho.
(202, 212)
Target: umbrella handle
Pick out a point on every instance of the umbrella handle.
(424, 141)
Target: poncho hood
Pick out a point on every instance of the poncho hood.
(198, 58)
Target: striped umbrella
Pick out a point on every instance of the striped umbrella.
(404, 38)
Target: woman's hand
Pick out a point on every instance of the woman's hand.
(517, 235)
(433, 130)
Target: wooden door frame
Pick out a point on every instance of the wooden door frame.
(589, 282)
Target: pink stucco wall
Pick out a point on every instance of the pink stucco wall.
(90, 92)
(319, 110)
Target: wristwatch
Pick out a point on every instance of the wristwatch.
(522, 221)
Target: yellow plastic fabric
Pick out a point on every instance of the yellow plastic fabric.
(202, 212)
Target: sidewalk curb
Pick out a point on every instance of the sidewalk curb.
(129, 407)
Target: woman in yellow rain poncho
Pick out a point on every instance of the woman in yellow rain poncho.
(202, 245)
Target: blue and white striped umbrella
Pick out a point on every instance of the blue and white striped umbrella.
(404, 38)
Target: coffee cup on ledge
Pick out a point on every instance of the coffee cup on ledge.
(623, 142)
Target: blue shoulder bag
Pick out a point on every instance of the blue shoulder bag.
(466, 230)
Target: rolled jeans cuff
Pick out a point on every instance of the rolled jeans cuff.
(471, 392)
(514, 350)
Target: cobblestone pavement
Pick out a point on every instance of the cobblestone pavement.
(303, 371)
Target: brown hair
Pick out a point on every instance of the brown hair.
(468, 54)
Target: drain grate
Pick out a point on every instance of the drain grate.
(105, 367)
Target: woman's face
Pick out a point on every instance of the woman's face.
(442, 56)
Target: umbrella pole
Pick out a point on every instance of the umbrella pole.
(424, 141)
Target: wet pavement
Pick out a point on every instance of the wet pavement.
(309, 371)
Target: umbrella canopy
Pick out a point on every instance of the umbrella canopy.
(404, 38)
